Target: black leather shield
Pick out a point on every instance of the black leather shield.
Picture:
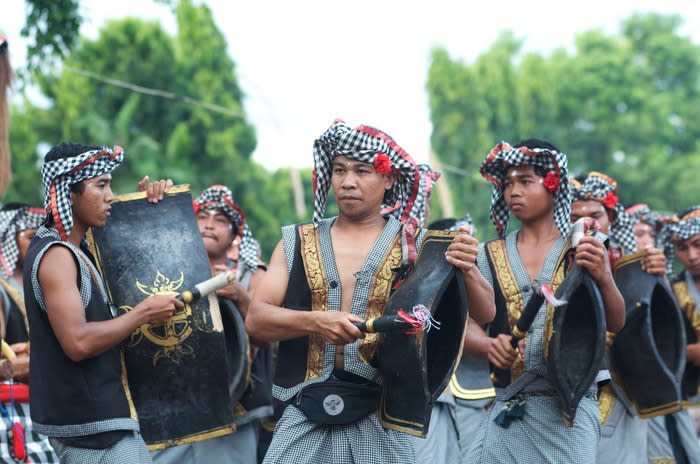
(185, 376)
(416, 368)
(647, 356)
(575, 351)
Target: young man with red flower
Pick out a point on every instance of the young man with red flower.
(525, 423)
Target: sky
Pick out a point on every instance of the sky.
(302, 64)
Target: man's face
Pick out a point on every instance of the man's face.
(593, 209)
(688, 252)
(24, 237)
(216, 230)
(92, 205)
(358, 189)
(525, 194)
(645, 235)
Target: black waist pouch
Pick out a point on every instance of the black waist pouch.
(338, 402)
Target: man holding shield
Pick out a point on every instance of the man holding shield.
(80, 397)
(340, 268)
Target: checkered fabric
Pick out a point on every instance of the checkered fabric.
(13, 221)
(364, 143)
(60, 174)
(220, 197)
(641, 212)
(680, 227)
(428, 178)
(603, 188)
(38, 448)
(131, 449)
(502, 156)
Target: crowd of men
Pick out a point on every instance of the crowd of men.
(66, 399)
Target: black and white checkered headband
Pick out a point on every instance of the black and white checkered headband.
(58, 175)
(12, 222)
(220, 197)
(364, 144)
(503, 156)
(428, 178)
(602, 188)
(680, 228)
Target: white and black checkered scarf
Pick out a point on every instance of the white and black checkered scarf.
(12, 222)
(502, 156)
(58, 176)
(220, 197)
(428, 178)
(680, 227)
(603, 188)
(364, 143)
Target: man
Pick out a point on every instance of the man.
(624, 436)
(683, 234)
(80, 396)
(18, 224)
(342, 268)
(531, 182)
(221, 221)
(646, 225)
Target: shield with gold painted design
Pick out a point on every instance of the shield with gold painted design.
(416, 367)
(185, 376)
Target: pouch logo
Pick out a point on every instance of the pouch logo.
(333, 405)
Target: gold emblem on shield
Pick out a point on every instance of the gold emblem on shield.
(170, 335)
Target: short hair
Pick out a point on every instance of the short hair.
(68, 150)
(442, 224)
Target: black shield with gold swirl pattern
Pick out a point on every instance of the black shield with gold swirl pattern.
(185, 376)
(416, 368)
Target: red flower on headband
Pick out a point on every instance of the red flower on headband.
(551, 182)
(610, 200)
(382, 164)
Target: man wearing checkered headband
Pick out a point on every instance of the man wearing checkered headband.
(683, 233)
(340, 267)
(79, 397)
(530, 181)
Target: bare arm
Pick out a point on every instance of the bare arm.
(80, 339)
(592, 255)
(268, 321)
(462, 254)
(497, 350)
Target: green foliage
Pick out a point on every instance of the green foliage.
(623, 104)
(51, 29)
(138, 87)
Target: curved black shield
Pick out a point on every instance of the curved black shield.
(416, 368)
(578, 340)
(185, 375)
(647, 356)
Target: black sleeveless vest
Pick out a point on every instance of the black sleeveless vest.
(65, 392)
